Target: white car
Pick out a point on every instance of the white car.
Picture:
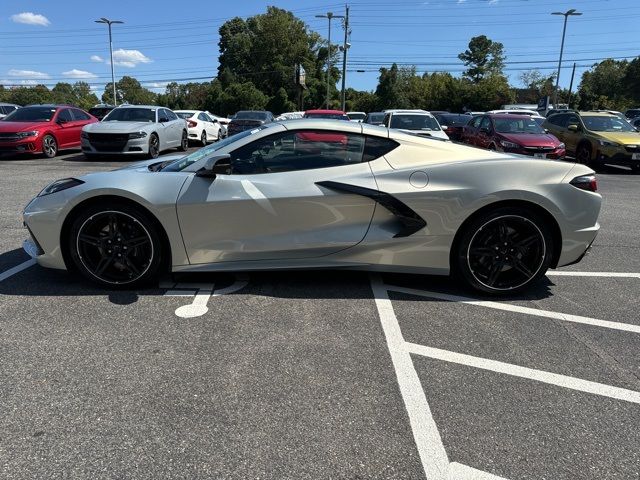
(357, 116)
(135, 130)
(416, 122)
(223, 121)
(516, 111)
(201, 127)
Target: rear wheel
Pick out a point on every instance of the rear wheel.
(115, 245)
(503, 251)
(203, 138)
(49, 146)
(583, 154)
(184, 143)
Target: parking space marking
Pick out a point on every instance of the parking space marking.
(568, 273)
(524, 372)
(627, 327)
(457, 471)
(17, 269)
(203, 292)
(199, 305)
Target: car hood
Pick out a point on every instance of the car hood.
(426, 133)
(144, 164)
(21, 126)
(117, 127)
(531, 139)
(625, 138)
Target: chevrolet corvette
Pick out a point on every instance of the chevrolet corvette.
(321, 194)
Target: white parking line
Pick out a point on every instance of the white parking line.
(524, 372)
(17, 269)
(199, 305)
(627, 327)
(203, 292)
(565, 273)
(458, 471)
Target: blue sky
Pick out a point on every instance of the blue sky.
(46, 41)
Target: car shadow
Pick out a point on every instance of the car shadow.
(292, 284)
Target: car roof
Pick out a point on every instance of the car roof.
(340, 112)
(141, 106)
(406, 110)
(596, 114)
(510, 115)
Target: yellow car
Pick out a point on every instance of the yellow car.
(596, 138)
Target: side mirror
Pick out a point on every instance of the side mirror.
(546, 130)
(61, 121)
(216, 165)
(215, 120)
(573, 128)
(163, 120)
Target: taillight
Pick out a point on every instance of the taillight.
(585, 182)
(192, 124)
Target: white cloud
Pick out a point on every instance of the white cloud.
(75, 73)
(6, 82)
(97, 58)
(27, 74)
(493, 2)
(29, 18)
(156, 85)
(461, 1)
(129, 58)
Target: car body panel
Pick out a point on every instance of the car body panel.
(299, 219)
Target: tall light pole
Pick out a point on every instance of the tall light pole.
(329, 15)
(113, 76)
(345, 48)
(566, 15)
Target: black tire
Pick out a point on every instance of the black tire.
(49, 146)
(184, 143)
(115, 245)
(583, 154)
(154, 146)
(503, 251)
(203, 138)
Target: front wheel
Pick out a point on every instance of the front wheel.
(203, 138)
(49, 146)
(503, 251)
(115, 246)
(583, 155)
(154, 146)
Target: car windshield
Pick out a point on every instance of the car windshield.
(414, 122)
(184, 162)
(330, 116)
(131, 115)
(606, 124)
(517, 125)
(185, 115)
(31, 114)
(375, 118)
(250, 116)
(453, 120)
(356, 116)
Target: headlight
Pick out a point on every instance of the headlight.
(506, 144)
(60, 185)
(33, 133)
(606, 143)
(562, 145)
(137, 135)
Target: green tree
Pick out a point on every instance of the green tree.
(280, 103)
(484, 57)
(30, 95)
(129, 90)
(240, 96)
(603, 86)
(390, 91)
(631, 81)
(84, 97)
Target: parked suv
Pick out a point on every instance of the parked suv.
(248, 120)
(597, 138)
(417, 122)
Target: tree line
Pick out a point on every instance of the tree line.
(258, 59)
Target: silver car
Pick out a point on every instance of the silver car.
(135, 130)
(321, 194)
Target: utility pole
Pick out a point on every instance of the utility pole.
(113, 76)
(329, 16)
(345, 47)
(573, 72)
(566, 15)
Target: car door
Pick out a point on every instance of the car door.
(571, 139)
(470, 130)
(66, 131)
(555, 124)
(80, 119)
(176, 127)
(483, 136)
(269, 205)
(210, 127)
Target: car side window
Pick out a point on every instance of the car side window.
(79, 115)
(203, 117)
(475, 123)
(64, 115)
(376, 147)
(170, 115)
(385, 122)
(486, 123)
(572, 120)
(555, 119)
(298, 150)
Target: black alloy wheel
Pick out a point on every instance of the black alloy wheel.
(504, 251)
(203, 138)
(154, 146)
(184, 143)
(115, 247)
(49, 146)
(583, 155)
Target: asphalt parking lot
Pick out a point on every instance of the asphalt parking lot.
(319, 374)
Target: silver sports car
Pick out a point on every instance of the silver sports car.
(135, 130)
(321, 194)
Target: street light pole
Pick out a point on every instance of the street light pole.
(566, 15)
(329, 16)
(113, 76)
(345, 48)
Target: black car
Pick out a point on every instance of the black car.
(374, 118)
(248, 119)
(452, 123)
(632, 113)
(100, 111)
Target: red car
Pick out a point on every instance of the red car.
(330, 114)
(43, 129)
(512, 134)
